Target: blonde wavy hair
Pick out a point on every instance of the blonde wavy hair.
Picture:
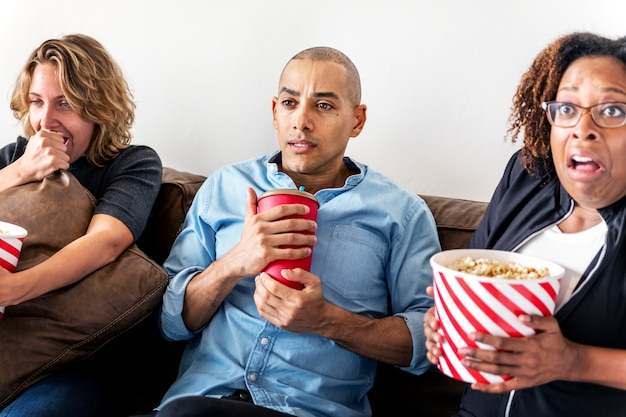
(93, 85)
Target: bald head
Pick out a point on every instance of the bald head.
(327, 54)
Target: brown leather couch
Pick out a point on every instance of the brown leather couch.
(142, 365)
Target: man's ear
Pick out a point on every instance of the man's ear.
(274, 103)
(360, 114)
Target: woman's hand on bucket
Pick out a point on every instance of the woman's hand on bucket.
(433, 338)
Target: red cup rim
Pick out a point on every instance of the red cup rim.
(289, 191)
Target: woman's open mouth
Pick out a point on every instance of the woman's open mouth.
(583, 168)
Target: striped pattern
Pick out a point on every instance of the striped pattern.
(10, 249)
(9, 252)
(463, 304)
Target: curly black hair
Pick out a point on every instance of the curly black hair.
(540, 83)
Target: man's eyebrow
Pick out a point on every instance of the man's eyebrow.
(324, 94)
(289, 91)
(320, 94)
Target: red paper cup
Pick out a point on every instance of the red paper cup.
(11, 239)
(465, 303)
(275, 198)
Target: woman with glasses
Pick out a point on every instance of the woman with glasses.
(562, 197)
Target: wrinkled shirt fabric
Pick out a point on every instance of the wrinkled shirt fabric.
(375, 240)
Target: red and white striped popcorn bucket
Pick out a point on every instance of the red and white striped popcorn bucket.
(11, 239)
(466, 302)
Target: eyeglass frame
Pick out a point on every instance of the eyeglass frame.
(582, 110)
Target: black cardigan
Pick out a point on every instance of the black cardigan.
(523, 205)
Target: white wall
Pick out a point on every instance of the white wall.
(438, 76)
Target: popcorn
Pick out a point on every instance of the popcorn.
(493, 269)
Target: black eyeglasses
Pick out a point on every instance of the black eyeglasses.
(562, 114)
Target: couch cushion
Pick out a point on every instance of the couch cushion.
(178, 189)
(456, 219)
(40, 336)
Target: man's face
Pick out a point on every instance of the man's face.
(315, 118)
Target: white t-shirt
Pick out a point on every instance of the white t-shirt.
(573, 251)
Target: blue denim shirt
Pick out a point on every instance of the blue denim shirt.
(375, 239)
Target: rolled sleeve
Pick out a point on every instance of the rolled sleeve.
(415, 322)
(171, 320)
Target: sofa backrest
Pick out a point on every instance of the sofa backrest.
(456, 218)
(166, 220)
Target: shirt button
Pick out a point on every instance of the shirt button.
(264, 341)
(252, 377)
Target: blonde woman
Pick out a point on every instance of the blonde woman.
(77, 111)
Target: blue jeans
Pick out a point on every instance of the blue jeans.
(197, 406)
(65, 394)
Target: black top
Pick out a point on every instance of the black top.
(125, 188)
(522, 206)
